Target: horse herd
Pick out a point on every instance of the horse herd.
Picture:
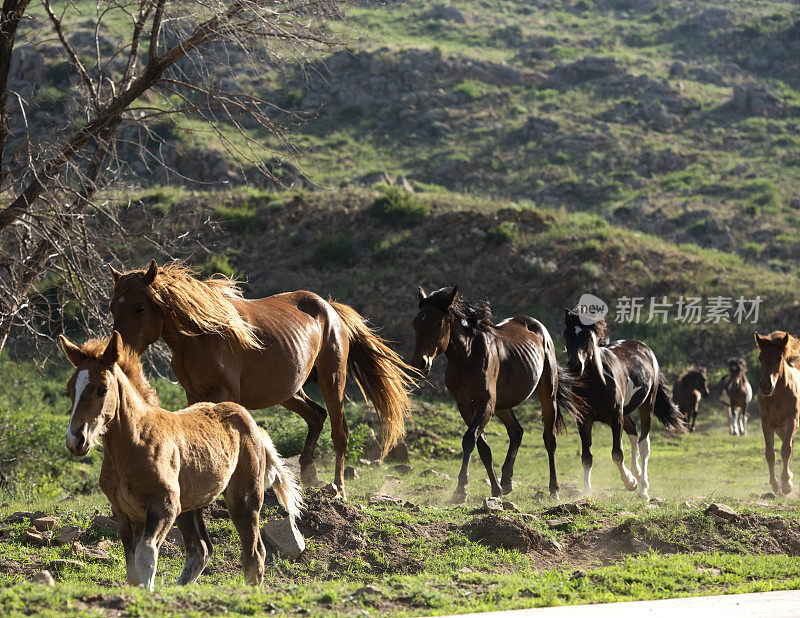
(231, 354)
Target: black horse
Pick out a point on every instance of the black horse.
(491, 369)
(615, 379)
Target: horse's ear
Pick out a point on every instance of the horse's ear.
(74, 354)
(758, 338)
(151, 273)
(115, 274)
(451, 297)
(421, 295)
(703, 370)
(113, 351)
(785, 340)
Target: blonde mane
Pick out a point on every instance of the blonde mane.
(193, 306)
(130, 364)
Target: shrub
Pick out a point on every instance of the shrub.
(330, 252)
(470, 89)
(398, 207)
(504, 232)
(218, 264)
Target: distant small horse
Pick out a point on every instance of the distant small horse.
(779, 400)
(491, 369)
(688, 390)
(161, 468)
(616, 379)
(260, 353)
(736, 394)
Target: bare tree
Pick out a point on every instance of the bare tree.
(118, 72)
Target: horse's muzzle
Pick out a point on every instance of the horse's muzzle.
(422, 365)
(78, 444)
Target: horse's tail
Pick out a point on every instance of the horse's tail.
(666, 410)
(282, 481)
(383, 377)
(567, 400)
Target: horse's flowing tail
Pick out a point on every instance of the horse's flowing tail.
(567, 399)
(666, 410)
(282, 481)
(383, 377)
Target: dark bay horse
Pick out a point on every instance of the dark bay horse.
(736, 394)
(779, 400)
(689, 388)
(162, 467)
(490, 370)
(259, 353)
(616, 379)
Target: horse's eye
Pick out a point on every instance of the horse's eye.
(139, 310)
(102, 391)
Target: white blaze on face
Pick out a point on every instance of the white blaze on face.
(81, 383)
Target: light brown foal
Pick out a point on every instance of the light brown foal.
(779, 400)
(161, 468)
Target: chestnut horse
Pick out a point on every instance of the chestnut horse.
(161, 468)
(736, 394)
(779, 400)
(688, 390)
(616, 379)
(491, 369)
(259, 353)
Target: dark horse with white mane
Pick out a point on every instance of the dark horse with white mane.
(491, 369)
(260, 353)
(616, 379)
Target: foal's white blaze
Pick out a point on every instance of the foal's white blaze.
(81, 383)
(644, 452)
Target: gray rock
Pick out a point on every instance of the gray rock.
(757, 99)
(43, 524)
(372, 448)
(350, 473)
(66, 534)
(492, 505)
(380, 498)
(721, 511)
(45, 578)
(368, 590)
(284, 536)
(402, 468)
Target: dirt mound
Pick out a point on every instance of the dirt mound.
(508, 533)
(339, 535)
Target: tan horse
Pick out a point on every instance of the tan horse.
(161, 468)
(260, 353)
(779, 400)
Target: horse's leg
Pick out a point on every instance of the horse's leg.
(769, 451)
(630, 429)
(547, 401)
(585, 431)
(475, 428)
(694, 415)
(314, 415)
(126, 535)
(332, 375)
(787, 443)
(198, 553)
(515, 433)
(616, 451)
(244, 496)
(160, 517)
(744, 417)
(485, 453)
(731, 421)
(645, 418)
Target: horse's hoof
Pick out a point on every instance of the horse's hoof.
(507, 487)
(554, 495)
(459, 497)
(787, 487)
(632, 486)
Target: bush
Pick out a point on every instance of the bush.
(218, 264)
(470, 89)
(505, 232)
(398, 207)
(334, 252)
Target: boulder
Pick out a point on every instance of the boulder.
(37, 539)
(721, 512)
(492, 505)
(757, 99)
(399, 452)
(283, 535)
(350, 473)
(45, 578)
(43, 524)
(402, 468)
(372, 448)
(66, 534)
